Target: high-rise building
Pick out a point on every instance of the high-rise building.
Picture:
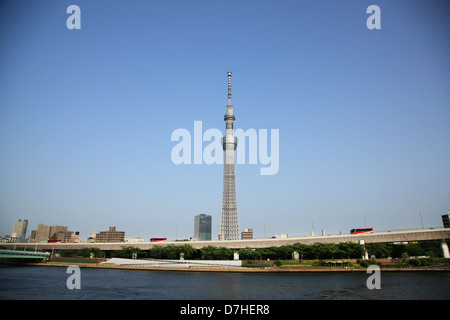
(42, 233)
(446, 220)
(61, 234)
(45, 233)
(55, 230)
(33, 236)
(202, 227)
(229, 224)
(20, 229)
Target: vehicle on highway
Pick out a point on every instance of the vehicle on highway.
(361, 230)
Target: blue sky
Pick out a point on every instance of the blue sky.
(86, 116)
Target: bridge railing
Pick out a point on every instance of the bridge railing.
(24, 252)
(319, 234)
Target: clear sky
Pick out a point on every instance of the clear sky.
(86, 116)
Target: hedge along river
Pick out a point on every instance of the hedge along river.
(343, 250)
(52, 283)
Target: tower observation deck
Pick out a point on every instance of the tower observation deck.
(229, 224)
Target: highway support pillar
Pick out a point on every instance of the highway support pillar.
(444, 247)
(365, 254)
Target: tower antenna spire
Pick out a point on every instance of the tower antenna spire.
(229, 87)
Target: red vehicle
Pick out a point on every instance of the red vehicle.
(361, 230)
(54, 241)
(158, 239)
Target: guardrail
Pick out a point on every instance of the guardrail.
(5, 253)
(297, 235)
(171, 263)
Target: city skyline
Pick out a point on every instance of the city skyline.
(86, 116)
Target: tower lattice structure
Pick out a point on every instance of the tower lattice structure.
(229, 224)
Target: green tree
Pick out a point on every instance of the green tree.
(303, 250)
(332, 250)
(398, 250)
(379, 250)
(349, 250)
(259, 253)
(189, 251)
(405, 256)
(125, 252)
(271, 253)
(414, 249)
(97, 252)
(248, 254)
(432, 248)
(84, 252)
(285, 252)
(318, 250)
(216, 253)
(165, 252)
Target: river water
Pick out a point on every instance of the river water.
(44, 283)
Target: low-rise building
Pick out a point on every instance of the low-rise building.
(247, 234)
(110, 236)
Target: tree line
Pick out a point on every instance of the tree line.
(343, 250)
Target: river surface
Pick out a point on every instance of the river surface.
(44, 283)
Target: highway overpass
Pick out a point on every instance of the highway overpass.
(394, 236)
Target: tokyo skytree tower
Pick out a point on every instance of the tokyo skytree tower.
(229, 225)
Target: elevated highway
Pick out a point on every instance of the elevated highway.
(394, 236)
